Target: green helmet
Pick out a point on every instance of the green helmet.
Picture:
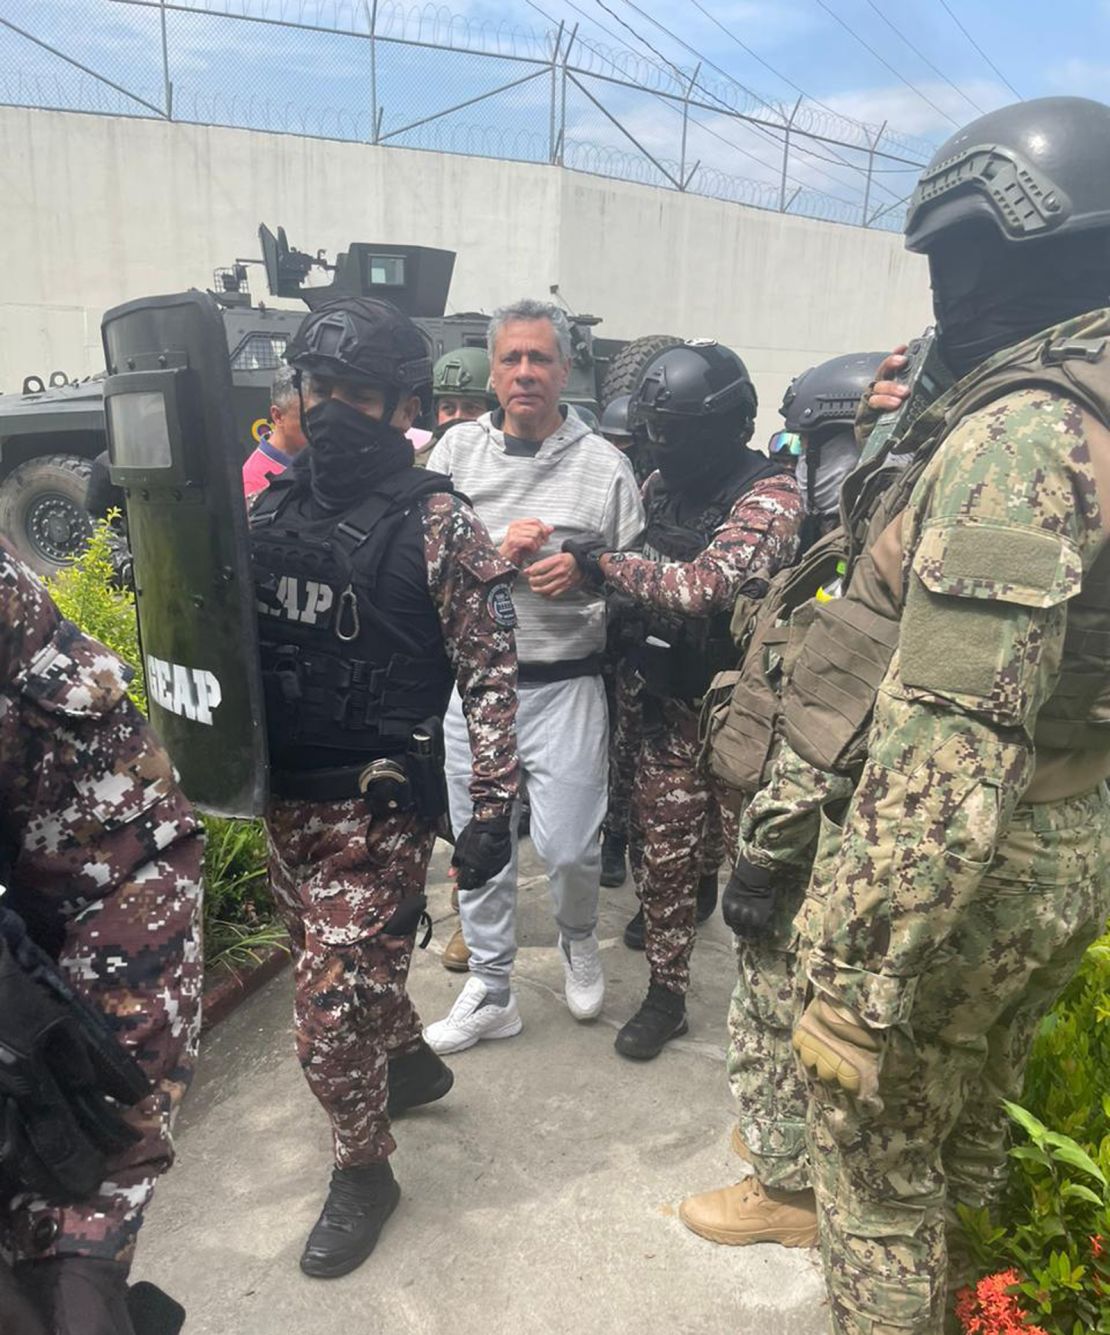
(463, 373)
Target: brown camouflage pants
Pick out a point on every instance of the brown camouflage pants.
(626, 737)
(623, 689)
(675, 808)
(337, 877)
(888, 1180)
(136, 956)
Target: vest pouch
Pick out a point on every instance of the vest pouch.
(110, 761)
(654, 659)
(830, 695)
(75, 676)
(1077, 715)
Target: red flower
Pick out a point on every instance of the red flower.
(989, 1310)
(1096, 1244)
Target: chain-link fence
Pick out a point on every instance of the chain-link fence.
(380, 72)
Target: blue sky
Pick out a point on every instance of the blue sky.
(282, 77)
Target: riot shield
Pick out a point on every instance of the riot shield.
(172, 447)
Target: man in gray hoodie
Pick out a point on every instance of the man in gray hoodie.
(537, 476)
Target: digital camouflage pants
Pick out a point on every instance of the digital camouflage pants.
(136, 956)
(624, 693)
(763, 1072)
(676, 811)
(888, 1178)
(337, 877)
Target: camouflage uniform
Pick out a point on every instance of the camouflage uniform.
(778, 831)
(672, 800)
(103, 859)
(971, 872)
(339, 875)
(622, 695)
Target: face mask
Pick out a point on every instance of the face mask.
(694, 454)
(834, 456)
(348, 452)
(988, 295)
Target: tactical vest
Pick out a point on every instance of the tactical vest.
(830, 696)
(742, 708)
(352, 650)
(679, 656)
(810, 669)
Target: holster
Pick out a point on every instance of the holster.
(424, 764)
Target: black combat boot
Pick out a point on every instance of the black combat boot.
(660, 1018)
(634, 931)
(416, 1078)
(707, 896)
(359, 1202)
(614, 870)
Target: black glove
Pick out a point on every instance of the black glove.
(587, 552)
(64, 1078)
(482, 849)
(749, 900)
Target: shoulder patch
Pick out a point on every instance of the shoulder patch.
(499, 602)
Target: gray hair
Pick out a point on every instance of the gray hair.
(529, 309)
(283, 389)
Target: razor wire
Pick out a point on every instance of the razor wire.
(423, 77)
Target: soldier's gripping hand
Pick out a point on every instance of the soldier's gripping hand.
(835, 1044)
(887, 393)
(587, 551)
(748, 903)
(482, 849)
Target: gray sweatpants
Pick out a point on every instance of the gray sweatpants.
(562, 735)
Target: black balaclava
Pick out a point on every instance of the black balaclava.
(989, 294)
(697, 454)
(348, 452)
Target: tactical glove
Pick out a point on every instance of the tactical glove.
(482, 849)
(834, 1043)
(587, 552)
(64, 1079)
(749, 900)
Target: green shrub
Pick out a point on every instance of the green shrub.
(86, 594)
(1054, 1227)
(239, 916)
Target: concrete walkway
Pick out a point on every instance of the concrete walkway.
(540, 1196)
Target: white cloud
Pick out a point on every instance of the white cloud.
(905, 111)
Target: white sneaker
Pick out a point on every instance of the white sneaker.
(469, 1021)
(585, 983)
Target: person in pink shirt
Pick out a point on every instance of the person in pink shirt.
(283, 442)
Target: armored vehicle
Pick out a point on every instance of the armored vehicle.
(51, 431)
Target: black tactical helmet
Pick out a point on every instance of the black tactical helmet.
(829, 393)
(615, 420)
(360, 338)
(699, 380)
(1034, 170)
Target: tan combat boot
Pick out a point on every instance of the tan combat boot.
(749, 1212)
(456, 957)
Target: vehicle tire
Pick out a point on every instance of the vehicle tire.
(42, 510)
(624, 370)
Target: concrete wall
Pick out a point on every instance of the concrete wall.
(98, 210)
